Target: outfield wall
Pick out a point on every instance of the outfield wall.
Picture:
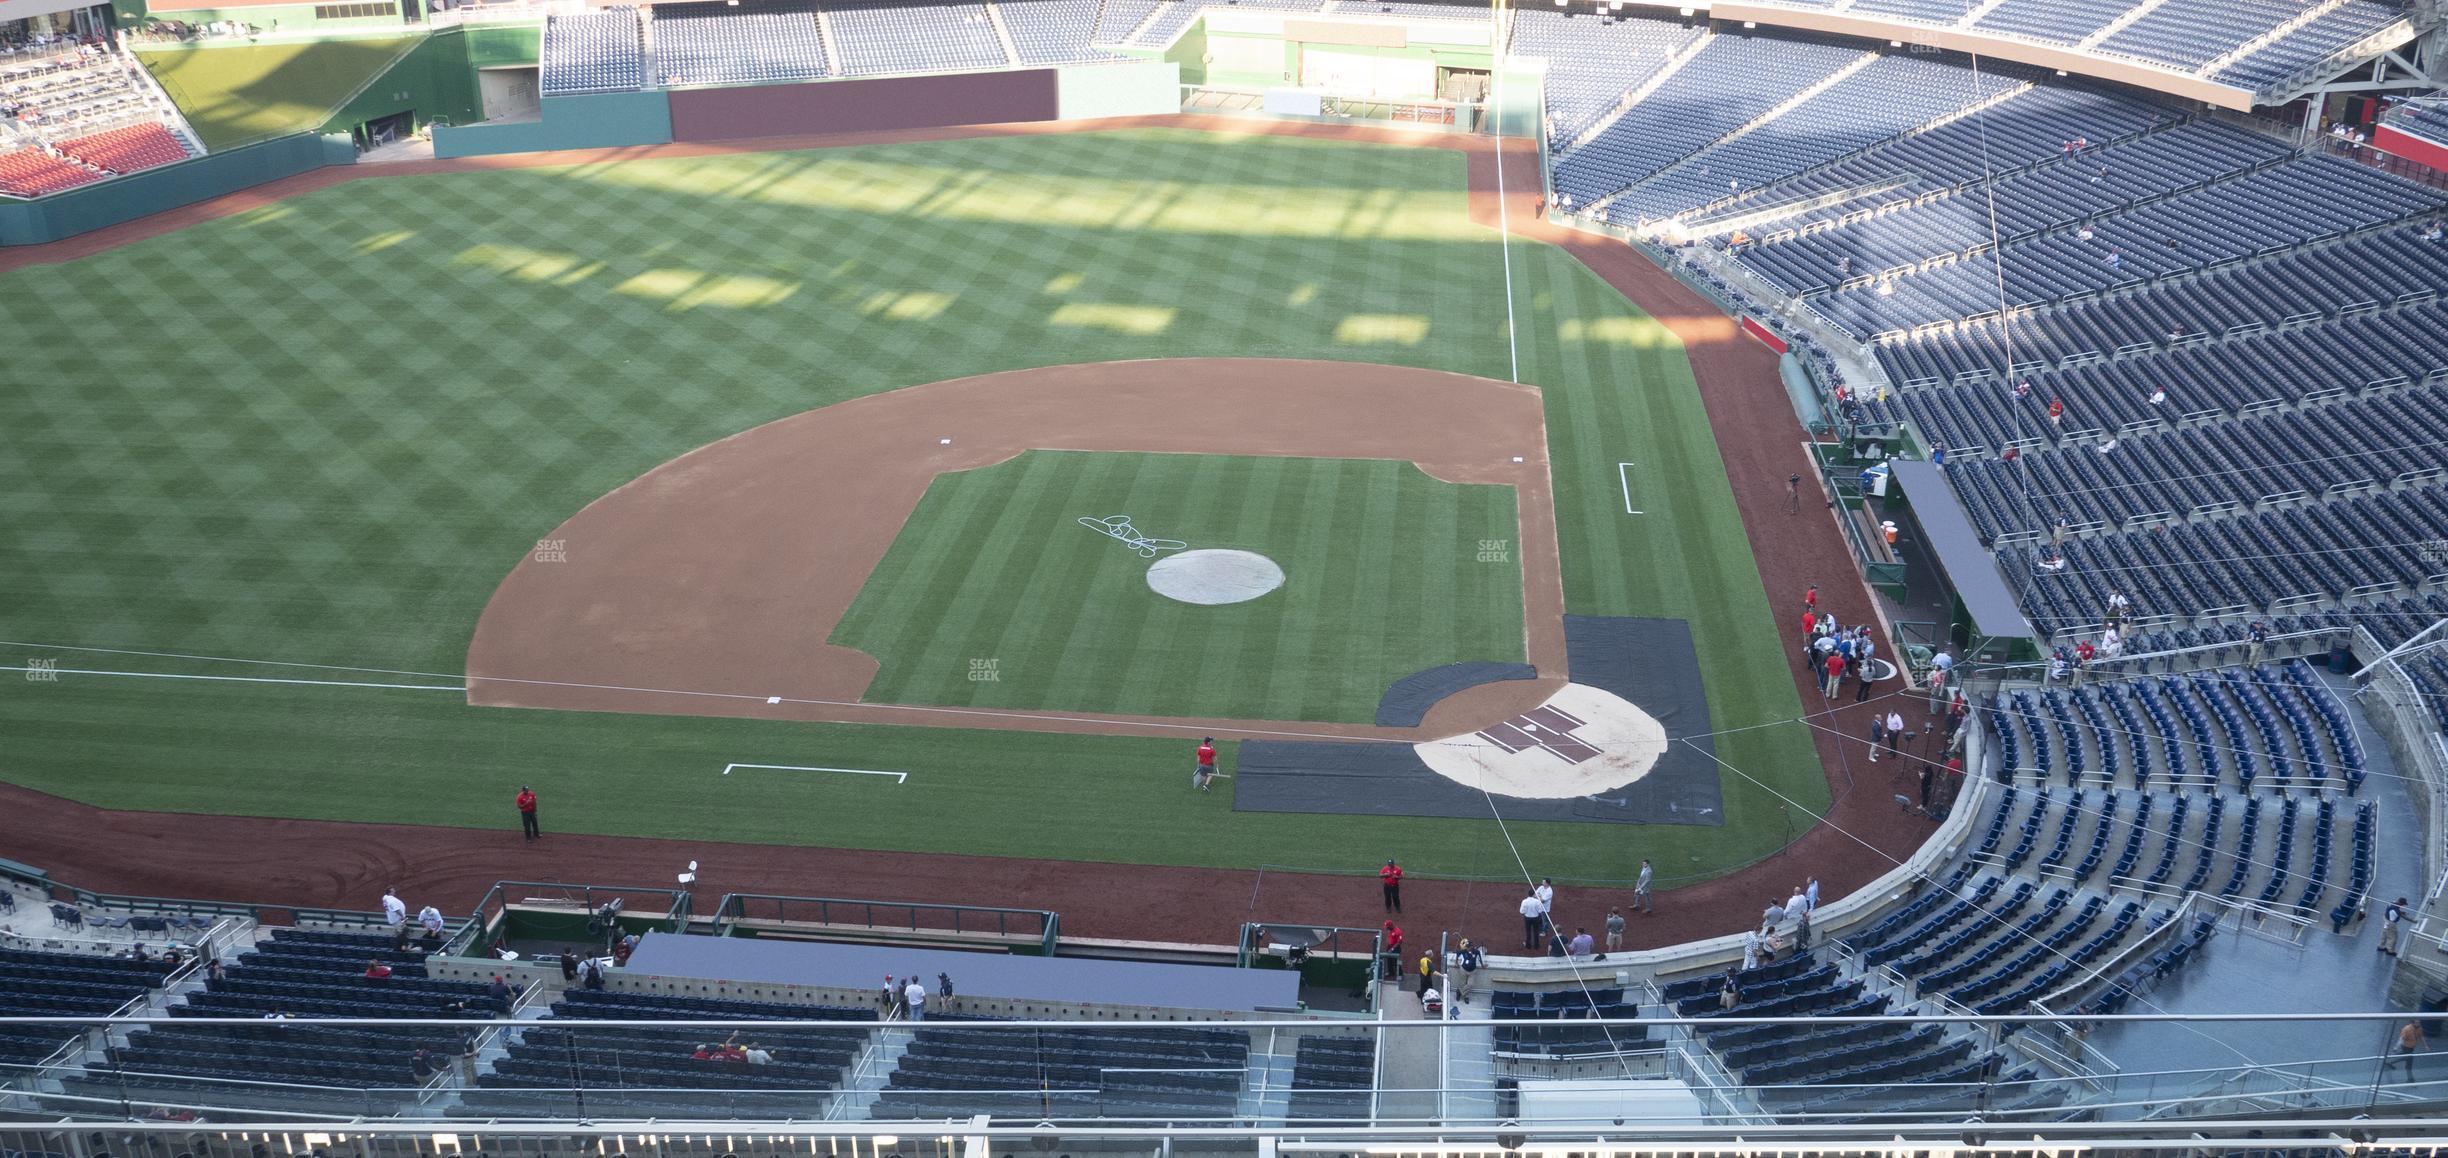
(610, 120)
(1140, 88)
(617, 120)
(169, 187)
(850, 106)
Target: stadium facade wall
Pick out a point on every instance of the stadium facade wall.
(153, 191)
(2410, 147)
(609, 120)
(1138, 88)
(437, 80)
(274, 17)
(881, 104)
(1518, 102)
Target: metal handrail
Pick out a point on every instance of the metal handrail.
(733, 909)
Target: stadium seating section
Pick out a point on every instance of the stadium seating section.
(2427, 119)
(599, 51)
(769, 41)
(73, 116)
(750, 43)
(2244, 43)
(1332, 1078)
(40, 984)
(302, 974)
(950, 1071)
(568, 1069)
(2243, 339)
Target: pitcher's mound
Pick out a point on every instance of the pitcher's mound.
(1214, 576)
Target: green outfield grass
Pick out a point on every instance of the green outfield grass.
(1382, 578)
(322, 431)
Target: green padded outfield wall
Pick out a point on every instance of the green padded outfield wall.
(169, 187)
(596, 121)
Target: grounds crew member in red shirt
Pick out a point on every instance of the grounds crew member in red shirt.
(1391, 877)
(1205, 773)
(526, 809)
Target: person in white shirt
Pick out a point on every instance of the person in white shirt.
(1751, 948)
(915, 995)
(1797, 905)
(1810, 896)
(1546, 893)
(757, 1056)
(1895, 732)
(1534, 914)
(395, 910)
(431, 918)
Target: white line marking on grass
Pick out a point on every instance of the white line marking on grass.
(1623, 474)
(163, 675)
(898, 777)
(1504, 223)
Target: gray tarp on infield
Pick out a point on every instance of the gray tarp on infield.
(1407, 702)
(1650, 662)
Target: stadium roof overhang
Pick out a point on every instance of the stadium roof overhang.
(2073, 60)
(1967, 564)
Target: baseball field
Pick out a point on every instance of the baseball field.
(261, 477)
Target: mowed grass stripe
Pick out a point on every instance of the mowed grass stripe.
(1067, 617)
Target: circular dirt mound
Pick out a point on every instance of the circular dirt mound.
(1214, 577)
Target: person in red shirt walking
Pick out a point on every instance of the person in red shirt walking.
(1835, 674)
(527, 813)
(1810, 597)
(1391, 877)
(1204, 774)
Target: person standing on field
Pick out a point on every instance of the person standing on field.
(1391, 878)
(1640, 888)
(1204, 774)
(527, 812)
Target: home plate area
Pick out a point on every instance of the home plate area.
(1583, 741)
(1627, 741)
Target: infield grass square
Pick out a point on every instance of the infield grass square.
(994, 595)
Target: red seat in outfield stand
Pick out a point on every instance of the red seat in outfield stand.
(33, 173)
(127, 150)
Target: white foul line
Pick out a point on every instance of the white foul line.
(898, 777)
(1623, 475)
(163, 675)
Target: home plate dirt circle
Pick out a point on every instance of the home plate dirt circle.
(1581, 741)
(1214, 576)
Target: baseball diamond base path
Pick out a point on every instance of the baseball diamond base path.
(725, 570)
(345, 865)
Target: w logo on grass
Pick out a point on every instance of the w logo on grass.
(1119, 527)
